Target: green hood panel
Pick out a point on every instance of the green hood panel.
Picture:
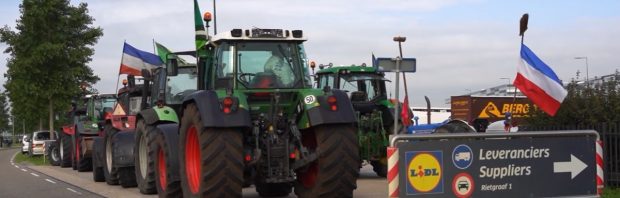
(166, 114)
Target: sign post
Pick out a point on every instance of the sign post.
(524, 164)
(397, 65)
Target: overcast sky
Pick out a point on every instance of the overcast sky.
(460, 45)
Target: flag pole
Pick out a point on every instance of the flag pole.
(522, 28)
(118, 77)
(154, 47)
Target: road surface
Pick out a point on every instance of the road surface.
(17, 180)
(369, 185)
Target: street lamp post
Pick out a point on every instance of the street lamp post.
(507, 85)
(398, 39)
(587, 77)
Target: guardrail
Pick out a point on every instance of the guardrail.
(563, 154)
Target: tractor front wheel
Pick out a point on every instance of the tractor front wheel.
(167, 164)
(335, 172)
(110, 172)
(211, 159)
(144, 158)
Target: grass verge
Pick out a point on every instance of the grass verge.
(36, 160)
(611, 193)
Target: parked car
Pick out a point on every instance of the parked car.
(38, 142)
(25, 144)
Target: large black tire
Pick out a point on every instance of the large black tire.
(53, 155)
(109, 171)
(335, 172)
(98, 175)
(380, 167)
(84, 163)
(127, 177)
(144, 150)
(211, 159)
(65, 150)
(273, 190)
(167, 164)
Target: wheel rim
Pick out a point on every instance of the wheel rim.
(161, 161)
(192, 159)
(77, 150)
(54, 154)
(108, 155)
(142, 155)
(62, 151)
(308, 178)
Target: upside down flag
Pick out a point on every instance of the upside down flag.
(134, 60)
(539, 82)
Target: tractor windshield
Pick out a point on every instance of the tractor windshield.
(362, 87)
(184, 83)
(260, 65)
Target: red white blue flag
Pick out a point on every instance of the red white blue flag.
(134, 60)
(539, 83)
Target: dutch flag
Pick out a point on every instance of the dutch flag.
(134, 60)
(539, 83)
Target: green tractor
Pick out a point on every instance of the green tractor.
(76, 139)
(365, 86)
(257, 118)
(151, 142)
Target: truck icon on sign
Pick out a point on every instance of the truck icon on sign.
(462, 156)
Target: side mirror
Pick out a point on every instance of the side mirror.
(172, 65)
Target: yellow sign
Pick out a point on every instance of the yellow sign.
(118, 110)
(490, 111)
(424, 172)
(516, 108)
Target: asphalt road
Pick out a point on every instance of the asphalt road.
(27, 185)
(18, 180)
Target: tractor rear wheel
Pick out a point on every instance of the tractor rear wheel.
(65, 150)
(211, 159)
(110, 172)
(167, 164)
(380, 166)
(144, 158)
(335, 172)
(98, 175)
(83, 164)
(127, 177)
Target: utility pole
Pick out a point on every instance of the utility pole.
(398, 39)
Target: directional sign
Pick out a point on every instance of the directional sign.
(498, 167)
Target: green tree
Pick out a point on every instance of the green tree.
(4, 113)
(584, 106)
(49, 52)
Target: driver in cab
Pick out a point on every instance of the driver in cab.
(281, 69)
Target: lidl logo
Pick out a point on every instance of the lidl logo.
(424, 172)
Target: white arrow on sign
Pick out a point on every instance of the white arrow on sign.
(574, 166)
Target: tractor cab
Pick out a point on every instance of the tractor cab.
(260, 64)
(364, 85)
(130, 96)
(171, 88)
(259, 59)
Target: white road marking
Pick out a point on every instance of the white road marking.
(76, 192)
(34, 174)
(24, 170)
(50, 181)
(16, 166)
